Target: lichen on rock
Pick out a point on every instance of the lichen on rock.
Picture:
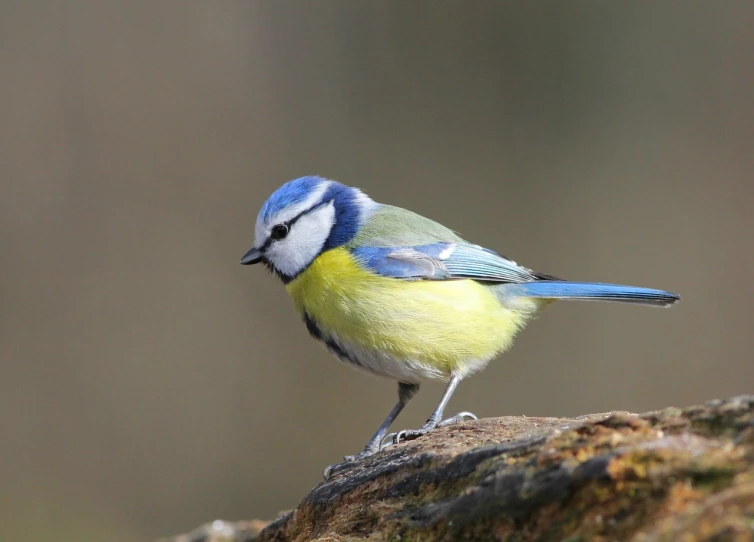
(666, 475)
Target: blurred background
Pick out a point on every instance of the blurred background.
(148, 383)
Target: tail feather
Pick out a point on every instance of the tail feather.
(594, 291)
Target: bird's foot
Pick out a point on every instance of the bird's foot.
(350, 460)
(411, 434)
(460, 417)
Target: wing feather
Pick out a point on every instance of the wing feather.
(442, 261)
(397, 243)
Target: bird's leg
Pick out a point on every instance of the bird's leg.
(405, 393)
(434, 419)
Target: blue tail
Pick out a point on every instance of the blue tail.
(595, 291)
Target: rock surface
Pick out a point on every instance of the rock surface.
(667, 475)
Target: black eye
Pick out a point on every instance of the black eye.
(279, 232)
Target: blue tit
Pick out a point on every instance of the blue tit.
(398, 295)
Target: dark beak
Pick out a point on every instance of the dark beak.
(253, 256)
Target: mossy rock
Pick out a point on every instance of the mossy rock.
(671, 475)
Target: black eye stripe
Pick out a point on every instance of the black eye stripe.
(289, 224)
(293, 220)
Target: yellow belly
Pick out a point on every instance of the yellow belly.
(408, 330)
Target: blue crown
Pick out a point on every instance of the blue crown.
(348, 202)
(290, 193)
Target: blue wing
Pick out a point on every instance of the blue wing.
(447, 261)
(442, 261)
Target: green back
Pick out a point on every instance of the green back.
(392, 226)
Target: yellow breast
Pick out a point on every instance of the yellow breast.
(401, 328)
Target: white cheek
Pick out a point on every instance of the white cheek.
(263, 229)
(305, 240)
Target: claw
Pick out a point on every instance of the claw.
(389, 437)
(460, 417)
(400, 435)
(411, 434)
(348, 461)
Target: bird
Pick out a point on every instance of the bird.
(398, 295)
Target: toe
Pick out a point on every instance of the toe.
(329, 471)
(387, 440)
(460, 417)
(400, 435)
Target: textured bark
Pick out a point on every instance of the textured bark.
(667, 475)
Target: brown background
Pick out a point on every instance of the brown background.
(149, 383)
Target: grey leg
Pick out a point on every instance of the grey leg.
(434, 419)
(405, 393)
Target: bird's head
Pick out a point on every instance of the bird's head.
(302, 219)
